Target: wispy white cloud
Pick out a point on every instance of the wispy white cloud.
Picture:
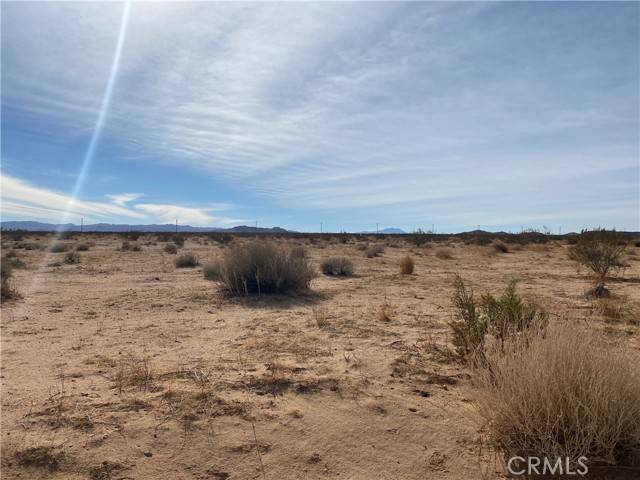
(327, 105)
(124, 198)
(21, 200)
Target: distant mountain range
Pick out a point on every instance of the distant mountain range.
(108, 227)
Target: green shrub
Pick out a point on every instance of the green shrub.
(469, 327)
(599, 250)
(260, 267)
(337, 266)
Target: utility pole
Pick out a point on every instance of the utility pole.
(377, 229)
(256, 224)
(176, 225)
(320, 227)
(81, 224)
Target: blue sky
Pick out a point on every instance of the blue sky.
(501, 115)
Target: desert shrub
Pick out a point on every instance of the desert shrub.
(406, 265)
(29, 245)
(15, 235)
(510, 315)
(500, 246)
(186, 260)
(418, 238)
(260, 267)
(83, 247)
(133, 236)
(171, 249)
(13, 261)
(66, 235)
(7, 291)
(600, 251)
(163, 237)
(178, 240)
(361, 246)
(469, 327)
(444, 254)
(337, 266)
(299, 251)
(72, 257)
(211, 270)
(568, 394)
(636, 243)
(374, 250)
(57, 247)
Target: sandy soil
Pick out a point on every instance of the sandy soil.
(124, 367)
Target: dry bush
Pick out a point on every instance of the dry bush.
(178, 240)
(500, 246)
(601, 251)
(337, 266)
(133, 371)
(260, 267)
(171, 249)
(407, 265)
(616, 310)
(636, 243)
(444, 254)
(29, 245)
(321, 316)
(374, 250)
(57, 247)
(40, 457)
(83, 246)
(186, 260)
(299, 251)
(7, 291)
(568, 394)
(72, 258)
(384, 312)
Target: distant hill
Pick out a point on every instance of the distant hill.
(108, 227)
(388, 231)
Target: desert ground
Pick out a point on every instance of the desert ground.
(122, 366)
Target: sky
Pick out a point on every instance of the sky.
(453, 115)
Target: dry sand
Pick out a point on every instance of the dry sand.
(124, 367)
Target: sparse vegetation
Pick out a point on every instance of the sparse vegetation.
(602, 252)
(178, 240)
(83, 246)
(130, 247)
(569, 394)
(337, 266)
(7, 291)
(469, 327)
(444, 254)
(261, 267)
(171, 249)
(374, 250)
(186, 260)
(72, 257)
(407, 265)
(58, 247)
(500, 246)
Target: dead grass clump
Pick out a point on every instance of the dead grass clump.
(444, 254)
(83, 247)
(7, 291)
(567, 395)
(40, 457)
(57, 247)
(72, 258)
(321, 316)
(128, 246)
(337, 266)
(133, 371)
(374, 250)
(384, 312)
(500, 246)
(186, 260)
(407, 265)
(617, 310)
(171, 249)
(178, 240)
(602, 252)
(299, 251)
(260, 267)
